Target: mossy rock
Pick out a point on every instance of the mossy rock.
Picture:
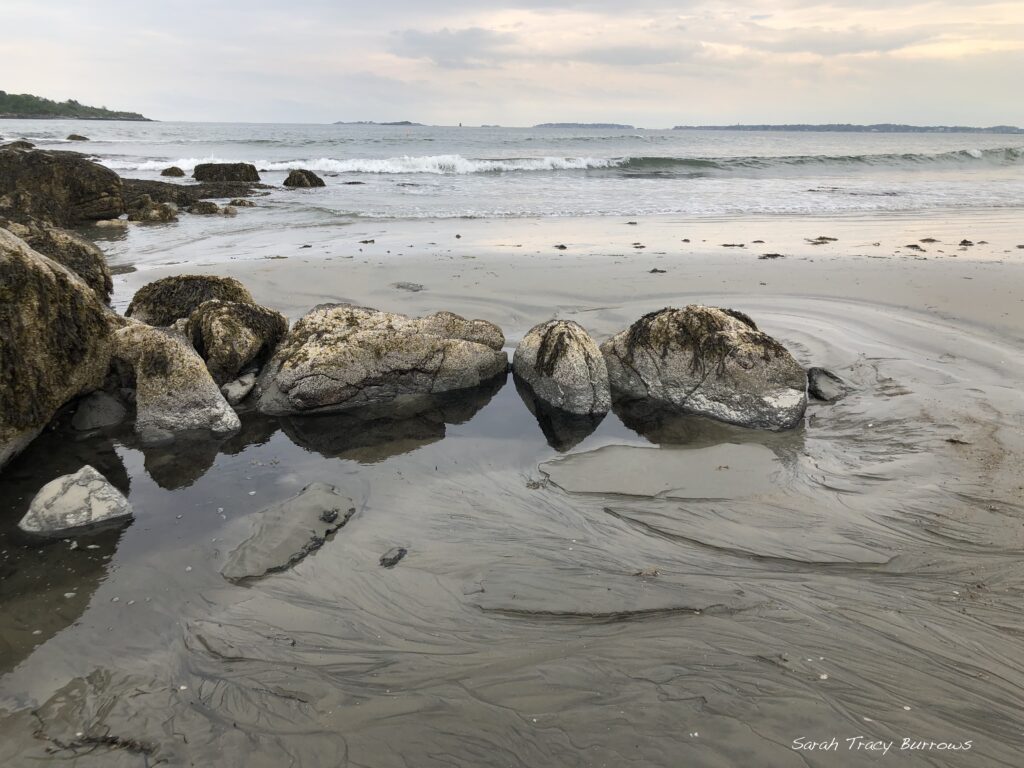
(164, 301)
(225, 172)
(55, 341)
(563, 366)
(709, 361)
(63, 188)
(172, 172)
(300, 177)
(232, 336)
(67, 248)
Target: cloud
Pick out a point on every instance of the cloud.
(468, 48)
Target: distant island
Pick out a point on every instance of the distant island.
(373, 122)
(851, 128)
(27, 106)
(586, 125)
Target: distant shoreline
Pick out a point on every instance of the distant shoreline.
(853, 128)
(72, 117)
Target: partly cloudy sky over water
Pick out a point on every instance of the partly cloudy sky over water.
(651, 63)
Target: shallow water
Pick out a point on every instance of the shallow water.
(589, 606)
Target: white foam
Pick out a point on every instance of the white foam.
(444, 164)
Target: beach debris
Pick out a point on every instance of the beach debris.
(235, 172)
(928, 240)
(339, 356)
(168, 299)
(55, 340)
(285, 533)
(772, 256)
(821, 240)
(686, 240)
(367, 242)
(561, 247)
(914, 247)
(656, 271)
(824, 385)
(172, 172)
(563, 367)
(757, 242)
(81, 500)
(965, 242)
(174, 392)
(232, 336)
(392, 557)
(734, 245)
(98, 410)
(631, 223)
(411, 287)
(305, 245)
(956, 441)
(300, 177)
(709, 361)
(145, 209)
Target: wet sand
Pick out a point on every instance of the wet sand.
(661, 591)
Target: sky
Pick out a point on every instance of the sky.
(650, 63)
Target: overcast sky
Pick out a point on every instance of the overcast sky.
(651, 63)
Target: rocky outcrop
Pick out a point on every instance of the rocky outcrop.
(300, 177)
(66, 248)
(62, 188)
(145, 209)
(709, 361)
(232, 336)
(174, 393)
(173, 298)
(564, 367)
(203, 208)
(55, 341)
(184, 195)
(225, 172)
(172, 172)
(73, 503)
(286, 533)
(341, 356)
(241, 202)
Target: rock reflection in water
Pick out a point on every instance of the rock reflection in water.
(371, 435)
(563, 430)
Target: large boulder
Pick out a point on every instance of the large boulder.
(164, 301)
(174, 393)
(63, 188)
(55, 341)
(300, 177)
(225, 172)
(145, 209)
(173, 172)
(231, 336)
(709, 361)
(75, 502)
(341, 356)
(67, 248)
(564, 367)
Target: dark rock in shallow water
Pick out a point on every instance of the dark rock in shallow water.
(19, 144)
(300, 177)
(77, 137)
(98, 410)
(241, 202)
(184, 195)
(824, 385)
(62, 188)
(173, 172)
(564, 367)
(231, 335)
(709, 361)
(339, 356)
(164, 301)
(145, 209)
(203, 208)
(286, 533)
(55, 341)
(392, 557)
(73, 502)
(225, 172)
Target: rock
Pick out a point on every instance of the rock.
(229, 210)
(77, 137)
(145, 209)
(184, 195)
(98, 411)
(709, 361)
(67, 248)
(564, 367)
(55, 341)
(392, 557)
(173, 171)
(231, 335)
(62, 188)
(203, 208)
(824, 385)
(112, 223)
(173, 390)
(163, 301)
(241, 202)
(341, 356)
(300, 177)
(19, 144)
(225, 172)
(73, 502)
(236, 391)
(286, 533)
(411, 287)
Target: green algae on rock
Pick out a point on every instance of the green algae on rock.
(164, 301)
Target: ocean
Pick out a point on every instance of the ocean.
(425, 172)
